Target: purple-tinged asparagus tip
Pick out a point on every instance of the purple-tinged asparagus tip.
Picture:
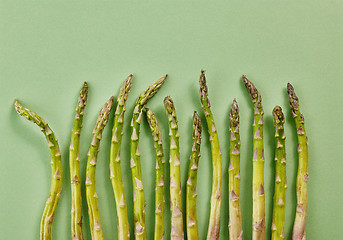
(252, 90)
(293, 99)
(203, 89)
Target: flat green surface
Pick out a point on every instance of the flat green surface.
(48, 49)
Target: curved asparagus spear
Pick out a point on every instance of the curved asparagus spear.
(235, 218)
(191, 209)
(92, 197)
(214, 224)
(278, 222)
(135, 163)
(258, 163)
(159, 185)
(116, 179)
(302, 176)
(74, 165)
(176, 231)
(56, 167)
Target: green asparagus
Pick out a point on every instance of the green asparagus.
(191, 209)
(214, 224)
(302, 176)
(258, 163)
(159, 167)
(74, 164)
(235, 218)
(278, 222)
(56, 167)
(92, 197)
(138, 194)
(176, 231)
(116, 179)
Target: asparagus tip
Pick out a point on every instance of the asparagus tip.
(234, 113)
(84, 93)
(18, 107)
(169, 104)
(196, 124)
(151, 91)
(293, 99)
(203, 87)
(125, 88)
(254, 93)
(278, 114)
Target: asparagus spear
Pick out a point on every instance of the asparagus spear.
(214, 224)
(74, 164)
(235, 218)
(258, 163)
(302, 176)
(56, 167)
(92, 197)
(278, 222)
(159, 188)
(191, 210)
(116, 179)
(176, 231)
(138, 194)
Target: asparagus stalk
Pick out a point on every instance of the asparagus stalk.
(159, 188)
(56, 167)
(92, 197)
(278, 222)
(176, 231)
(258, 163)
(74, 164)
(191, 210)
(116, 179)
(138, 194)
(302, 176)
(235, 218)
(214, 224)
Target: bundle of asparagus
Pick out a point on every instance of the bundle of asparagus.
(177, 226)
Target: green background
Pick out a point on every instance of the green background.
(48, 48)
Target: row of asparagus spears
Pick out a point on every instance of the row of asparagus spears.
(177, 230)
